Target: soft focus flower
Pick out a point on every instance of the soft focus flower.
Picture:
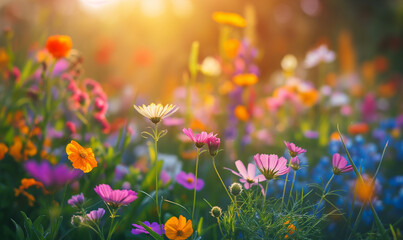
(358, 128)
(188, 181)
(213, 144)
(231, 48)
(293, 149)
(318, 55)
(3, 58)
(76, 200)
(248, 177)
(199, 139)
(95, 215)
(59, 45)
(25, 184)
(290, 229)
(295, 163)
(156, 112)
(165, 177)
(51, 175)
(210, 67)
(178, 229)
(245, 79)
(15, 149)
(82, 158)
(71, 127)
(14, 75)
(271, 165)
(3, 150)
(309, 97)
(289, 63)
(235, 189)
(241, 113)
(340, 164)
(154, 226)
(216, 211)
(232, 19)
(115, 198)
(365, 189)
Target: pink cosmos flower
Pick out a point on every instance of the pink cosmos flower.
(95, 215)
(339, 164)
(115, 198)
(213, 143)
(271, 165)
(199, 139)
(248, 177)
(188, 181)
(293, 149)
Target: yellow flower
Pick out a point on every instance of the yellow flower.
(241, 113)
(156, 112)
(178, 229)
(3, 150)
(231, 47)
(82, 158)
(245, 79)
(229, 18)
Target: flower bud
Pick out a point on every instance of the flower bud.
(235, 189)
(295, 163)
(76, 220)
(216, 212)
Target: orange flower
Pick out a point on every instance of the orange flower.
(3, 150)
(364, 189)
(15, 149)
(82, 158)
(231, 47)
(196, 124)
(309, 98)
(290, 229)
(388, 89)
(178, 229)
(241, 113)
(358, 128)
(3, 58)
(27, 183)
(246, 79)
(229, 18)
(59, 45)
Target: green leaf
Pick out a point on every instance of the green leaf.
(149, 180)
(19, 231)
(37, 224)
(152, 233)
(177, 204)
(200, 226)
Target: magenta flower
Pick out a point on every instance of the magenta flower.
(71, 127)
(188, 181)
(76, 200)
(199, 139)
(115, 198)
(95, 215)
(248, 177)
(271, 166)
(295, 163)
(339, 164)
(213, 143)
(293, 149)
(51, 175)
(154, 226)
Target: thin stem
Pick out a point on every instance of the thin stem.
(156, 174)
(219, 225)
(111, 227)
(194, 192)
(324, 193)
(292, 186)
(265, 194)
(236, 207)
(221, 180)
(285, 183)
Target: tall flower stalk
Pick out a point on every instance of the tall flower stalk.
(194, 191)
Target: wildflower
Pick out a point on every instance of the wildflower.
(16, 148)
(156, 112)
(309, 97)
(339, 164)
(358, 128)
(235, 189)
(271, 165)
(199, 139)
(210, 67)
(245, 79)
(216, 211)
(231, 48)
(154, 226)
(289, 63)
(318, 55)
(95, 215)
(82, 158)
(25, 184)
(188, 181)
(248, 177)
(3, 58)
(165, 177)
(14, 75)
(51, 175)
(178, 229)
(71, 127)
(115, 198)
(76, 200)
(232, 19)
(213, 144)
(295, 163)
(293, 149)
(241, 113)
(290, 229)
(365, 189)
(76, 220)
(3, 150)
(59, 45)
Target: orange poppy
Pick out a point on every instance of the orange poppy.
(232, 19)
(178, 229)
(3, 150)
(82, 158)
(246, 79)
(59, 45)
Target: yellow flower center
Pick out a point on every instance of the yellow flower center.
(82, 153)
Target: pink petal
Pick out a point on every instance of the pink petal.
(241, 168)
(251, 170)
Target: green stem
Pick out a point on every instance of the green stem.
(111, 227)
(219, 225)
(292, 186)
(194, 192)
(324, 193)
(285, 183)
(265, 194)
(156, 174)
(221, 180)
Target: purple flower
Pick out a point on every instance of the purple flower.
(76, 200)
(115, 198)
(340, 164)
(248, 177)
(295, 163)
(199, 139)
(188, 181)
(271, 165)
(311, 134)
(213, 143)
(95, 215)
(154, 226)
(293, 149)
(51, 175)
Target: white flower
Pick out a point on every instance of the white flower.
(318, 55)
(156, 112)
(211, 67)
